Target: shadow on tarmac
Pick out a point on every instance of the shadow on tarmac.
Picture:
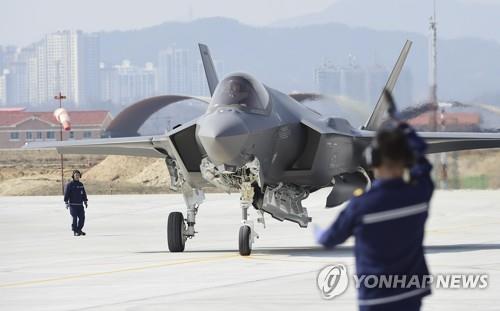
(339, 251)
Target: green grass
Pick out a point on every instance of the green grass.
(475, 182)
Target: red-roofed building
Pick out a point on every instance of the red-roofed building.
(453, 121)
(18, 126)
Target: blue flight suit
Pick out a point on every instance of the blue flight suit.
(75, 196)
(388, 222)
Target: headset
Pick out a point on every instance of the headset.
(373, 155)
(75, 172)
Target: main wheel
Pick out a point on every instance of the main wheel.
(245, 246)
(175, 232)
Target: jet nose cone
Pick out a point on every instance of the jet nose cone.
(223, 135)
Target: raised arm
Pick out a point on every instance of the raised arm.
(421, 170)
(341, 229)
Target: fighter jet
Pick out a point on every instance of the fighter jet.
(263, 143)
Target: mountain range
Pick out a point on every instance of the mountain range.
(455, 18)
(286, 57)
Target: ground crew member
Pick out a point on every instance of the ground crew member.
(388, 221)
(75, 197)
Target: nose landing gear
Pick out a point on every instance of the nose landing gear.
(247, 233)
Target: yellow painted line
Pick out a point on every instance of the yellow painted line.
(134, 269)
(266, 257)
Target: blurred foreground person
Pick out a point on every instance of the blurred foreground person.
(388, 222)
(75, 197)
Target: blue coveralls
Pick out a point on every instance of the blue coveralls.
(388, 223)
(75, 195)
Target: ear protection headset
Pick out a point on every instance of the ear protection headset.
(373, 156)
(74, 172)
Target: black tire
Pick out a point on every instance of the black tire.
(244, 241)
(175, 229)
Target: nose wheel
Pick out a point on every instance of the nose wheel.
(247, 233)
(245, 242)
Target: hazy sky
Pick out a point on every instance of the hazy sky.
(25, 21)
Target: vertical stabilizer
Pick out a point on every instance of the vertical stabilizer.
(376, 117)
(208, 65)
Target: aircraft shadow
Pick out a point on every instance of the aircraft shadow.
(339, 251)
(458, 248)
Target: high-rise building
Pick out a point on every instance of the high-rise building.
(7, 56)
(376, 78)
(16, 84)
(89, 64)
(108, 77)
(66, 61)
(2, 57)
(174, 71)
(3, 91)
(361, 84)
(327, 79)
(14, 75)
(72, 66)
(124, 84)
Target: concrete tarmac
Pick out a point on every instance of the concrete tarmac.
(123, 263)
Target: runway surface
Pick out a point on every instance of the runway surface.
(123, 263)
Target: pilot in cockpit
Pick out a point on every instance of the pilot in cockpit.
(236, 93)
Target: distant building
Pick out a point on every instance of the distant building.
(66, 61)
(376, 78)
(175, 71)
(16, 83)
(124, 84)
(3, 91)
(453, 122)
(354, 83)
(327, 79)
(7, 55)
(18, 126)
(361, 84)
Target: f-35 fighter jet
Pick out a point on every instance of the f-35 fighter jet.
(261, 142)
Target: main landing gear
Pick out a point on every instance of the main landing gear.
(180, 229)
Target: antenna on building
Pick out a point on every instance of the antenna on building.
(441, 162)
(433, 62)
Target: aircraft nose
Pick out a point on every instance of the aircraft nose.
(223, 135)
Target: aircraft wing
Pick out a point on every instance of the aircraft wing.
(178, 147)
(141, 146)
(451, 141)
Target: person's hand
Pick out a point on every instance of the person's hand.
(318, 233)
(86, 204)
(67, 205)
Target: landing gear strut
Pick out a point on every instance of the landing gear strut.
(247, 233)
(180, 229)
